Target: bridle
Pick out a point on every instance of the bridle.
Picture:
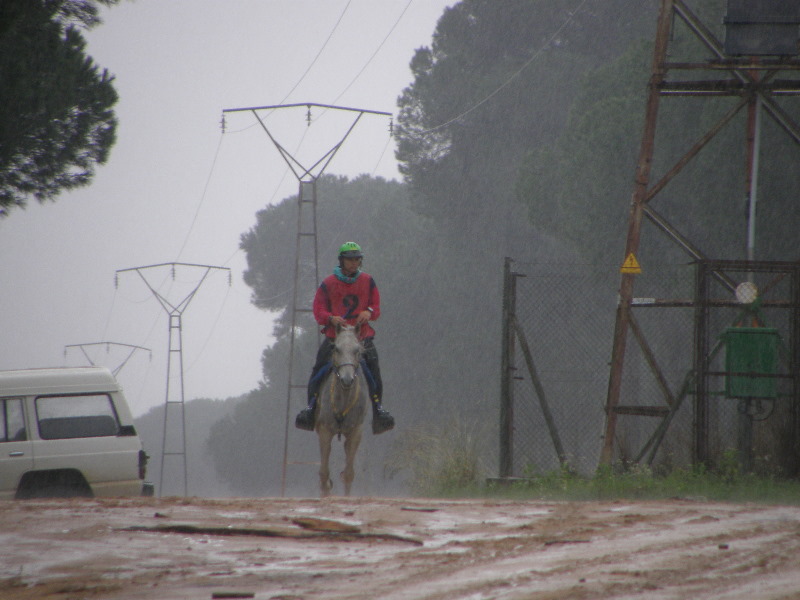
(355, 366)
(346, 387)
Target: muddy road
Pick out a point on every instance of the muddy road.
(282, 549)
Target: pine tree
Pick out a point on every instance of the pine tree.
(56, 117)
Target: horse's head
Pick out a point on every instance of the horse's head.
(347, 350)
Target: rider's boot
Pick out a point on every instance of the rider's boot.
(306, 417)
(381, 419)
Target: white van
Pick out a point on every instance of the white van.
(67, 432)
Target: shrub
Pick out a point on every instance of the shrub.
(440, 462)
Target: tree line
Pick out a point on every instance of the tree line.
(517, 136)
(435, 242)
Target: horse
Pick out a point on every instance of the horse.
(341, 406)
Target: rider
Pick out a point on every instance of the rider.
(348, 296)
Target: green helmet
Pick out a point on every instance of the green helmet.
(350, 250)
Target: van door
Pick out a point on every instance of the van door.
(16, 451)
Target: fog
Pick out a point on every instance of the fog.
(178, 189)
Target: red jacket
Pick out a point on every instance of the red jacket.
(347, 300)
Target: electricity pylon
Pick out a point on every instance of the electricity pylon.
(118, 368)
(174, 397)
(306, 264)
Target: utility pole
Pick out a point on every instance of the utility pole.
(175, 390)
(507, 368)
(306, 263)
(108, 345)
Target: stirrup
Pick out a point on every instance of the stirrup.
(381, 421)
(305, 419)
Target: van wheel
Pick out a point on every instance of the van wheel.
(53, 484)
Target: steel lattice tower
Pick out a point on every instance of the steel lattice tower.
(306, 262)
(174, 404)
(753, 83)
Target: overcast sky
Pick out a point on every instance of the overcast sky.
(176, 189)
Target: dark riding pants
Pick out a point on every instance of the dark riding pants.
(324, 357)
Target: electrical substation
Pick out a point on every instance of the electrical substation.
(739, 322)
(704, 328)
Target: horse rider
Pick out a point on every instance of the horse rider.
(348, 296)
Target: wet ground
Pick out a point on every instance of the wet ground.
(282, 549)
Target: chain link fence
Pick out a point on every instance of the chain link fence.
(668, 415)
(566, 312)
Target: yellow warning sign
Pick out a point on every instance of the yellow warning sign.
(631, 265)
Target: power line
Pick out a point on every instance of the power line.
(374, 54)
(202, 198)
(510, 79)
(380, 158)
(211, 331)
(110, 313)
(303, 76)
(328, 39)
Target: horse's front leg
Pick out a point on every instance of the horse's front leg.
(351, 443)
(325, 484)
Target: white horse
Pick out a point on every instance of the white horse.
(341, 406)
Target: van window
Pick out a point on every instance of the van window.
(62, 417)
(12, 422)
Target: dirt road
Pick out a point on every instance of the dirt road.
(281, 549)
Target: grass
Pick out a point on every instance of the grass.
(641, 484)
(450, 464)
(439, 462)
